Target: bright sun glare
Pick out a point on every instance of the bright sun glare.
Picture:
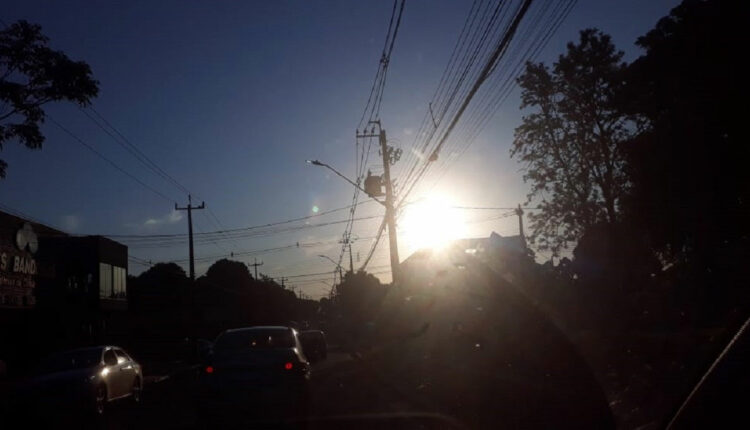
(431, 223)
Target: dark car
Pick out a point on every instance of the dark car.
(262, 368)
(86, 379)
(314, 344)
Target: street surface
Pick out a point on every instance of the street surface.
(344, 391)
(391, 387)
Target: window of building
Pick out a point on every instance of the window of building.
(105, 280)
(112, 281)
(119, 278)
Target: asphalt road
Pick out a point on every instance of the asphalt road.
(169, 402)
(390, 388)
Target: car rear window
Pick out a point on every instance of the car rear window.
(255, 339)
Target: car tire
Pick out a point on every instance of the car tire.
(100, 399)
(137, 392)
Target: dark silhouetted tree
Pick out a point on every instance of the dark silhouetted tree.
(228, 297)
(164, 285)
(691, 184)
(358, 298)
(229, 274)
(569, 141)
(32, 74)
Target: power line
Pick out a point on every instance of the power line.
(119, 138)
(110, 162)
(206, 238)
(487, 69)
(491, 208)
(241, 229)
(443, 101)
(123, 141)
(374, 103)
(502, 87)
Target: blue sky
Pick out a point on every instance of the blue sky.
(230, 98)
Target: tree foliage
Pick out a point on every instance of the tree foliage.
(691, 187)
(229, 274)
(570, 140)
(162, 286)
(358, 295)
(31, 75)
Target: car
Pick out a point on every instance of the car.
(89, 378)
(314, 344)
(260, 366)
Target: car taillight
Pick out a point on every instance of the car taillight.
(209, 369)
(288, 365)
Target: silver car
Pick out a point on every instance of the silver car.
(87, 377)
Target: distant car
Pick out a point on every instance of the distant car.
(262, 366)
(86, 377)
(314, 344)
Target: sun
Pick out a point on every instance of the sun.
(432, 222)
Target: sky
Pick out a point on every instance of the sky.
(231, 98)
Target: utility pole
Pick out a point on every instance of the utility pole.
(190, 208)
(338, 267)
(283, 279)
(348, 242)
(390, 156)
(519, 213)
(255, 265)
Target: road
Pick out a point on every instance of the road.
(393, 387)
(529, 379)
(168, 401)
(342, 386)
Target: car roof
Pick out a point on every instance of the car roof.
(259, 328)
(84, 349)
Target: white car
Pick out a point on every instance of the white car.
(86, 377)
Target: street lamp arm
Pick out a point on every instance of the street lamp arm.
(338, 266)
(319, 163)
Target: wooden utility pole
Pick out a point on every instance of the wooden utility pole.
(194, 326)
(390, 157)
(390, 212)
(190, 208)
(255, 265)
(348, 242)
(519, 213)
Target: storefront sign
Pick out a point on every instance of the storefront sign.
(17, 269)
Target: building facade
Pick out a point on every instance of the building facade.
(56, 290)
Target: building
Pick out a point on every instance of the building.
(56, 289)
(506, 255)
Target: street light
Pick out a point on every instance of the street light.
(338, 266)
(321, 164)
(388, 204)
